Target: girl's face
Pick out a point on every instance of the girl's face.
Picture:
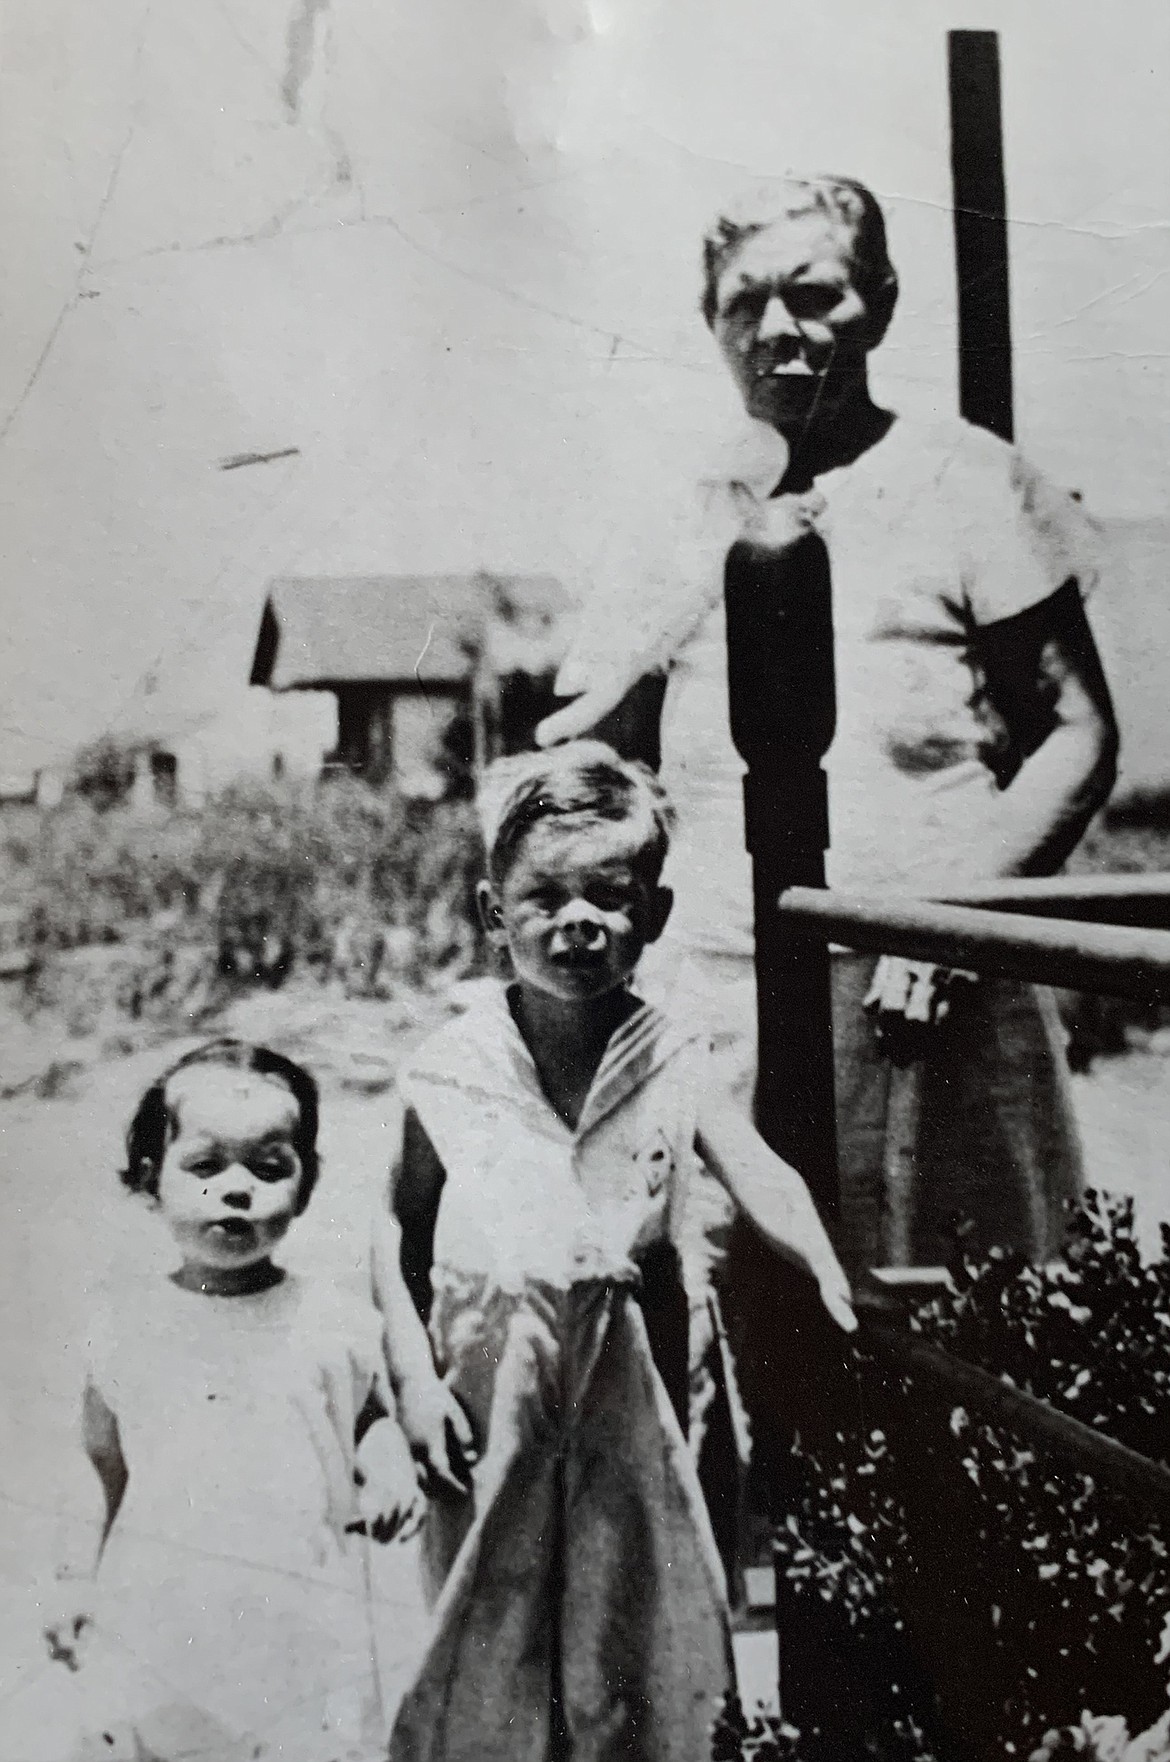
(230, 1178)
(575, 914)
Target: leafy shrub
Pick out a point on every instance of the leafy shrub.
(1089, 1334)
(338, 878)
(861, 1690)
(976, 1592)
(763, 1738)
(103, 772)
(975, 1595)
(88, 876)
(1097, 1739)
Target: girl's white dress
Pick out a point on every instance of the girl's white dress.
(233, 1616)
(582, 1610)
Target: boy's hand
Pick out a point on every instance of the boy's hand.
(910, 1000)
(391, 1502)
(837, 1297)
(438, 1431)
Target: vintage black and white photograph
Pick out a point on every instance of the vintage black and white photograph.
(585, 881)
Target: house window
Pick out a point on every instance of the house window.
(429, 763)
(164, 777)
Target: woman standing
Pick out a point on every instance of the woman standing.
(974, 733)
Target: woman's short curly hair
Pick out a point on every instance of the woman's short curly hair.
(843, 201)
(156, 1120)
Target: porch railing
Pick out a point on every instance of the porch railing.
(1105, 934)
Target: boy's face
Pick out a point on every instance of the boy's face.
(576, 909)
(230, 1178)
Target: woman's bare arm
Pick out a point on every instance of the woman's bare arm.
(1044, 675)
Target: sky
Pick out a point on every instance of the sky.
(449, 254)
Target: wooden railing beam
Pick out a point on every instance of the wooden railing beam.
(1108, 958)
(1079, 1446)
(1142, 901)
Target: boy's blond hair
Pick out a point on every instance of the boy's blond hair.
(580, 784)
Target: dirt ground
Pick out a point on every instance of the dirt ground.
(66, 1229)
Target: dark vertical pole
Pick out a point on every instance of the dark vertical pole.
(782, 703)
(981, 247)
(782, 699)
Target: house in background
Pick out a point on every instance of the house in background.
(18, 789)
(433, 674)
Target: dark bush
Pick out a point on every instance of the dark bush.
(972, 1591)
(1090, 1334)
(760, 1739)
(103, 772)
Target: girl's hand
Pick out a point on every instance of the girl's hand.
(837, 1297)
(66, 1605)
(439, 1433)
(391, 1502)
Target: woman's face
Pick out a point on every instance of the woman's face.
(789, 318)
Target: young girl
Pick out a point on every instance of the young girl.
(230, 1600)
(543, 1182)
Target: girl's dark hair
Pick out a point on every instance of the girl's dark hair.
(156, 1121)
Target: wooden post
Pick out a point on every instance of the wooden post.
(985, 397)
(782, 695)
(483, 696)
(981, 247)
(782, 703)
(900, 1172)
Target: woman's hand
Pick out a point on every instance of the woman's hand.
(391, 1502)
(439, 1433)
(776, 523)
(581, 715)
(596, 689)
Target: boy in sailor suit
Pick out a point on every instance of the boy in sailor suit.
(543, 1183)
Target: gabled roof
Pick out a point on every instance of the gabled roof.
(319, 631)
